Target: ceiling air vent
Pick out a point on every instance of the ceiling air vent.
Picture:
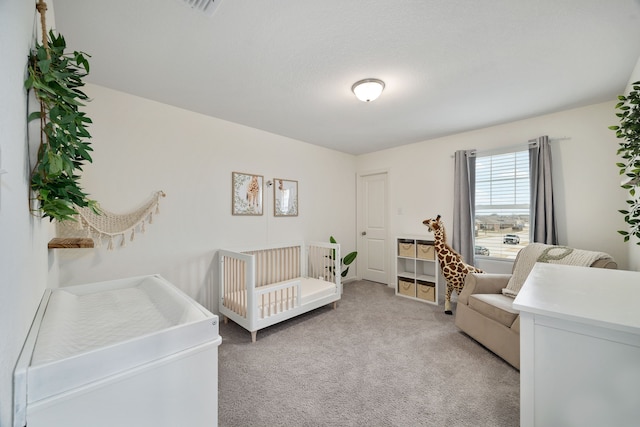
(208, 7)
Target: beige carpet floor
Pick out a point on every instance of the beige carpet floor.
(378, 360)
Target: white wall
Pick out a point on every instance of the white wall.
(24, 263)
(142, 146)
(634, 247)
(586, 178)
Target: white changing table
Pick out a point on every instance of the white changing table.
(579, 347)
(131, 352)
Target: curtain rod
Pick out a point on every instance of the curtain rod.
(500, 150)
(562, 138)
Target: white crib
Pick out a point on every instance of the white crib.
(265, 286)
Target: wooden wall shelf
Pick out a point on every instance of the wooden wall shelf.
(70, 242)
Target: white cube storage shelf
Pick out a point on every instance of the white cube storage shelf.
(417, 269)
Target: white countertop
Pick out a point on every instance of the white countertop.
(595, 296)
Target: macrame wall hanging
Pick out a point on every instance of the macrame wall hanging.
(112, 226)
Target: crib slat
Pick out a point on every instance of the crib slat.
(234, 286)
(230, 282)
(242, 288)
(295, 262)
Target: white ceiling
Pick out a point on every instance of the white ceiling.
(287, 66)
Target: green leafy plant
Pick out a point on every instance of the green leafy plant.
(344, 261)
(56, 79)
(629, 149)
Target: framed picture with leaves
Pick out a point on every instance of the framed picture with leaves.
(285, 196)
(246, 190)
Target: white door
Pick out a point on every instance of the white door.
(372, 226)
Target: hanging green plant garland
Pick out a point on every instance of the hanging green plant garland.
(629, 132)
(56, 79)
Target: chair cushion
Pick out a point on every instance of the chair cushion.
(516, 325)
(497, 307)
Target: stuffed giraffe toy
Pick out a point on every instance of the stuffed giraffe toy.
(453, 267)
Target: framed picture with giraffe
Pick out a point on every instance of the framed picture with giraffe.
(246, 193)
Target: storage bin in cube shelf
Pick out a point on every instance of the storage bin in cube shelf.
(407, 249)
(426, 291)
(407, 288)
(426, 251)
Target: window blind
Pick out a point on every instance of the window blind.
(502, 184)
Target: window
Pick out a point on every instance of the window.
(502, 196)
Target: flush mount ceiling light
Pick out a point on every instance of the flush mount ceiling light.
(368, 89)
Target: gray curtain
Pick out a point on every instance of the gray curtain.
(543, 218)
(464, 181)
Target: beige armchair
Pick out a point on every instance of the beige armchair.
(487, 316)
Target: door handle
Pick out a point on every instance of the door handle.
(364, 233)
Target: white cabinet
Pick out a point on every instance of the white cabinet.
(126, 352)
(417, 269)
(579, 347)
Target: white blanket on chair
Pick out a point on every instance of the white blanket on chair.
(539, 252)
